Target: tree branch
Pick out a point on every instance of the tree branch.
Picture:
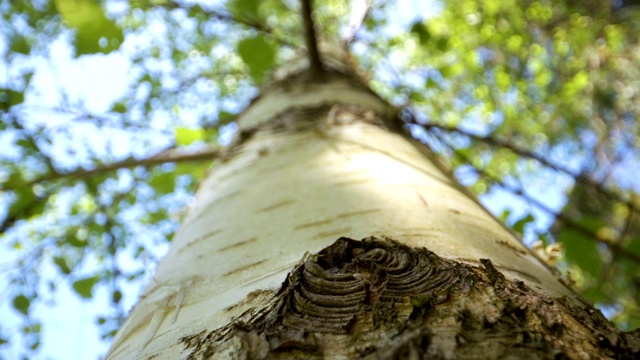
(249, 23)
(315, 65)
(616, 247)
(158, 159)
(492, 140)
(223, 16)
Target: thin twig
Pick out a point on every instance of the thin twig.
(222, 16)
(32, 141)
(526, 153)
(560, 216)
(159, 159)
(249, 23)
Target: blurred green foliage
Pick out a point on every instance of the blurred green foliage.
(524, 96)
(94, 32)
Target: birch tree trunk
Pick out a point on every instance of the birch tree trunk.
(270, 263)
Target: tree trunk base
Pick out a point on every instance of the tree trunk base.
(379, 299)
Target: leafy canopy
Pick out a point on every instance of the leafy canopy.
(538, 100)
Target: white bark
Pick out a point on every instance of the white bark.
(283, 193)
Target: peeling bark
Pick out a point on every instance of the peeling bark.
(379, 299)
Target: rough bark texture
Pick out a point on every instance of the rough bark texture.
(379, 299)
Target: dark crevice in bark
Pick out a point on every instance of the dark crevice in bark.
(379, 299)
(315, 117)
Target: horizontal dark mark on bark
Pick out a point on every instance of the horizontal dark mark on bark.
(271, 168)
(352, 182)
(418, 229)
(341, 232)
(207, 235)
(416, 235)
(339, 217)
(421, 233)
(238, 244)
(244, 268)
(317, 223)
(356, 213)
(511, 246)
(277, 205)
(225, 197)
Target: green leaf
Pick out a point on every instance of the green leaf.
(186, 136)
(9, 98)
(152, 217)
(634, 246)
(116, 296)
(225, 117)
(259, 55)
(75, 242)
(21, 303)
(26, 204)
(84, 287)
(581, 249)
(212, 135)
(163, 183)
(443, 44)
(431, 84)
(119, 108)
(195, 169)
(95, 33)
(520, 224)
(505, 215)
(62, 265)
(595, 294)
(421, 30)
(14, 181)
(19, 45)
(26, 145)
(246, 8)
